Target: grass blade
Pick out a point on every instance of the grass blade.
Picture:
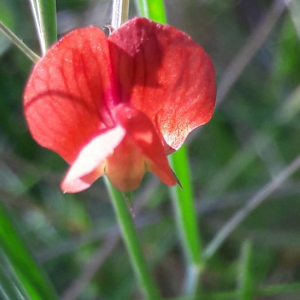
(14, 39)
(245, 281)
(29, 274)
(10, 288)
(153, 9)
(186, 218)
(183, 198)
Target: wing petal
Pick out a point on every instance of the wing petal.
(88, 166)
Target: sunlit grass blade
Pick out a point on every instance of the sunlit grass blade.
(153, 9)
(14, 39)
(9, 285)
(186, 218)
(184, 206)
(143, 9)
(29, 274)
(245, 279)
(44, 13)
(183, 198)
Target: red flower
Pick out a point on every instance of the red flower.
(119, 105)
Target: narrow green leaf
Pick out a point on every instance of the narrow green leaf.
(10, 288)
(183, 198)
(152, 9)
(184, 206)
(186, 219)
(245, 279)
(7, 17)
(142, 7)
(29, 274)
(11, 36)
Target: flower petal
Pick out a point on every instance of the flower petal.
(83, 183)
(164, 74)
(67, 93)
(88, 165)
(141, 132)
(125, 168)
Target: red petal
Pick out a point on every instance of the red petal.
(67, 93)
(141, 132)
(164, 74)
(88, 165)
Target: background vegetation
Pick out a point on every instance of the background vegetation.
(240, 157)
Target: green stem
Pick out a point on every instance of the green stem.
(11, 36)
(186, 218)
(129, 234)
(131, 241)
(120, 13)
(44, 13)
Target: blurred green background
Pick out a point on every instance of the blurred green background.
(254, 134)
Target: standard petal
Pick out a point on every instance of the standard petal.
(67, 96)
(164, 74)
(142, 133)
(88, 166)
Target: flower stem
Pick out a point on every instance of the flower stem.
(129, 234)
(120, 13)
(131, 241)
(10, 35)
